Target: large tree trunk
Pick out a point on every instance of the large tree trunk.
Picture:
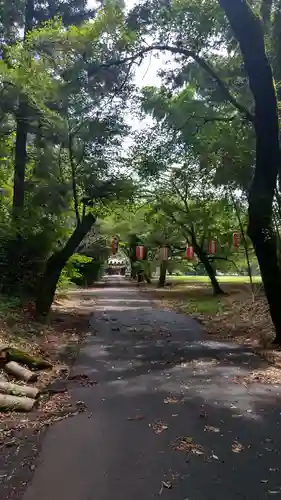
(248, 31)
(20, 158)
(56, 264)
(22, 130)
(163, 273)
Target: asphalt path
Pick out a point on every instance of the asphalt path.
(165, 417)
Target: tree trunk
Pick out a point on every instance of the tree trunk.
(147, 278)
(20, 158)
(248, 31)
(140, 276)
(22, 130)
(210, 271)
(133, 270)
(163, 273)
(56, 263)
(203, 257)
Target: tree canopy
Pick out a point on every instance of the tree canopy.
(205, 166)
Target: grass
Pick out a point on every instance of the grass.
(221, 279)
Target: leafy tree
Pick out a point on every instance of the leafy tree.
(234, 65)
(75, 130)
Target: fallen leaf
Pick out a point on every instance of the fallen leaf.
(167, 484)
(215, 457)
(211, 428)
(158, 426)
(197, 452)
(203, 414)
(186, 445)
(171, 400)
(264, 481)
(237, 447)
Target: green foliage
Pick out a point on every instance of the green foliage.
(73, 270)
(66, 82)
(57, 82)
(8, 303)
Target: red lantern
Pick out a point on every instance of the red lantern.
(189, 253)
(114, 246)
(212, 247)
(140, 252)
(236, 239)
(164, 253)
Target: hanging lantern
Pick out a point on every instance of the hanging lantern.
(114, 246)
(236, 239)
(164, 253)
(212, 247)
(189, 253)
(140, 252)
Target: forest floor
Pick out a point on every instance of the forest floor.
(57, 341)
(241, 315)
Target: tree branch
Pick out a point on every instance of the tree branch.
(73, 177)
(92, 69)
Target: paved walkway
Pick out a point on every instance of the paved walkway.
(159, 380)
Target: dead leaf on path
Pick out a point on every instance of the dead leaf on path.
(264, 481)
(203, 414)
(211, 428)
(186, 445)
(136, 417)
(215, 457)
(172, 400)
(158, 426)
(239, 380)
(81, 406)
(237, 447)
(197, 452)
(82, 379)
(165, 484)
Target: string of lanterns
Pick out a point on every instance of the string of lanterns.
(189, 252)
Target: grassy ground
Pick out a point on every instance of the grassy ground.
(241, 314)
(221, 279)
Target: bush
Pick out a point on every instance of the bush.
(80, 270)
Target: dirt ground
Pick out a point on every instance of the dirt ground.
(57, 341)
(241, 315)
